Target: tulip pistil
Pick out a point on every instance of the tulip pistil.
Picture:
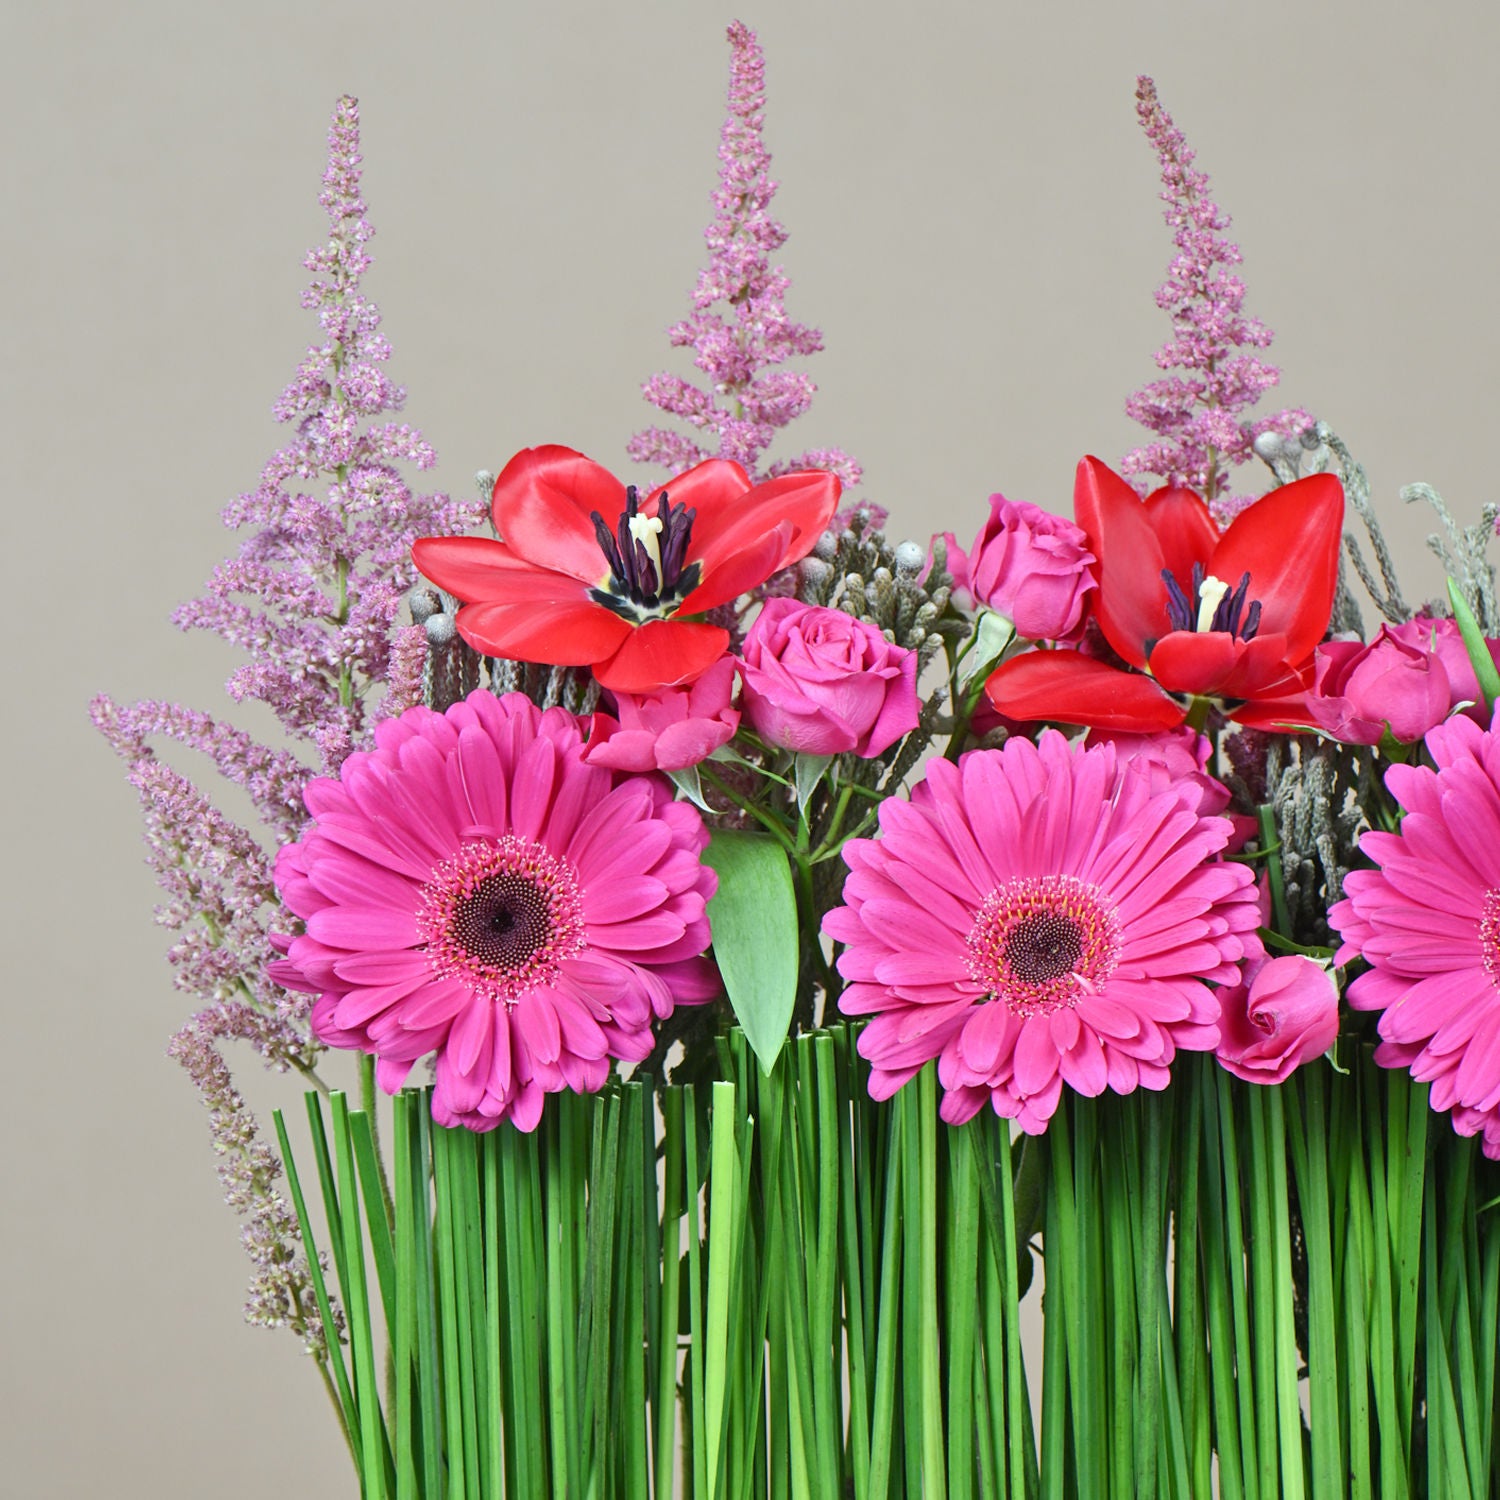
(1213, 605)
(649, 574)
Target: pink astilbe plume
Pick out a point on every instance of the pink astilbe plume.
(1427, 921)
(1197, 413)
(1035, 916)
(746, 400)
(311, 599)
(314, 591)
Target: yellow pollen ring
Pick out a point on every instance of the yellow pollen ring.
(1211, 594)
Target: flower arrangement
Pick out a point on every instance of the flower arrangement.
(803, 937)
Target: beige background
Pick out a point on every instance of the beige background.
(975, 228)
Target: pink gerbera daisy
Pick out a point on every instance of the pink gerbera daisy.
(1039, 915)
(1427, 921)
(472, 888)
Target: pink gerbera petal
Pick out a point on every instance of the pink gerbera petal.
(996, 924)
(1427, 920)
(472, 888)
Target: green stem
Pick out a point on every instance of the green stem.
(772, 824)
(368, 1101)
(1271, 847)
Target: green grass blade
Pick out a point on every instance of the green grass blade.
(887, 1328)
(962, 1284)
(374, 1448)
(348, 1410)
(377, 1224)
(1307, 1119)
(724, 1194)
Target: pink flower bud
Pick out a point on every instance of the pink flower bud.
(821, 682)
(1284, 1013)
(668, 730)
(1359, 691)
(1441, 637)
(1031, 566)
(1171, 758)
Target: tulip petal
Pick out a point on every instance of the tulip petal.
(565, 633)
(479, 568)
(806, 500)
(661, 653)
(1288, 541)
(1132, 603)
(753, 554)
(1185, 528)
(1190, 661)
(1070, 688)
(543, 502)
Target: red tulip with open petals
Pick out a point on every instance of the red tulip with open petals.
(1197, 613)
(589, 574)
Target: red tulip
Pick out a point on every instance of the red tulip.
(1198, 613)
(591, 575)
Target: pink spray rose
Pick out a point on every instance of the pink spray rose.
(1442, 638)
(1359, 690)
(1284, 1013)
(1171, 757)
(669, 730)
(820, 682)
(1031, 566)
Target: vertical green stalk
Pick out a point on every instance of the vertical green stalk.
(1149, 1265)
(1184, 1213)
(1288, 1409)
(673, 1206)
(887, 1329)
(1055, 1312)
(913, 1334)
(962, 1282)
(427, 1385)
(933, 1467)
(1385, 1137)
(373, 1453)
(560, 1185)
(408, 1291)
(1119, 1167)
(724, 1191)
(1022, 1450)
(1359, 1280)
(342, 1394)
(1308, 1117)
(697, 1423)
(855, 1231)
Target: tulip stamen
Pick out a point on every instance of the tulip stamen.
(649, 574)
(1213, 605)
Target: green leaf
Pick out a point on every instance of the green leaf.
(1476, 645)
(754, 919)
(690, 784)
(993, 634)
(810, 770)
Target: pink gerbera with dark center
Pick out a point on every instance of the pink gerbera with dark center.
(1039, 915)
(1428, 923)
(472, 888)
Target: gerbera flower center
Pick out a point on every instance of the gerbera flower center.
(1043, 942)
(501, 916)
(1213, 605)
(649, 574)
(1489, 935)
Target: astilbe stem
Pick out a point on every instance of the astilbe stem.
(311, 598)
(746, 400)
(1196, 413)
